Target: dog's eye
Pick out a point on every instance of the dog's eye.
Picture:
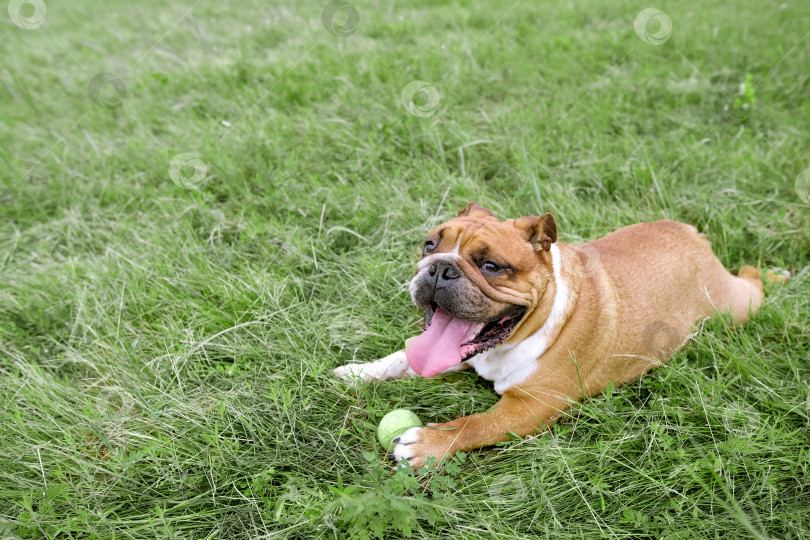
(429, 247)
(490, 266)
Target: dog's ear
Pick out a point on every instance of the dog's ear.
(473, 209)
(541, 231)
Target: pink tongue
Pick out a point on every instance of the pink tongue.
(439, 347)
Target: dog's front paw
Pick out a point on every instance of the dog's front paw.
(350, 372)
(393, 366)
(419, 443)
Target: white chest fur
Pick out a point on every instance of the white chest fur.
(508, 365)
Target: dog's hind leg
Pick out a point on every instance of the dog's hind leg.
(742, 294)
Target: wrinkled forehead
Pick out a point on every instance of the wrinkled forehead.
(472, 234)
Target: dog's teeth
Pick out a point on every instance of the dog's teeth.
(474, 331)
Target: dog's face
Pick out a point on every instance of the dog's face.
(477, 280)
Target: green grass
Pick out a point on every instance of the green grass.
(165, 352)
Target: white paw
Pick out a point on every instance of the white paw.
(393, 366)
(351, 372)
(405, 448)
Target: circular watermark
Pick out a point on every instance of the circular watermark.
(802, 185)
(741, 419)
(340, 18)
(653, 26)
(112, 403)
(589, 258)
(738, 104)
(188, 170)
(347, 330)
(660, 338)
(107, 90)
(420, 98)
(507, 489)
(27, 14)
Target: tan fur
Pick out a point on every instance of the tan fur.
(637, 294)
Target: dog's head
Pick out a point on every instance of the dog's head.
(478, 279)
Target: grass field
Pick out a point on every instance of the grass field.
(206, 207)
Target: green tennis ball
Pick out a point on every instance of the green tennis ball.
(395, 424)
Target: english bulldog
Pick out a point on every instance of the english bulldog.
(550, 323)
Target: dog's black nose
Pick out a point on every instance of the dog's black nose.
(446, 270)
